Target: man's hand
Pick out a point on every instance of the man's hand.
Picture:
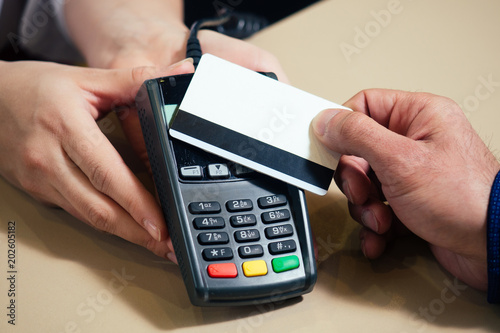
(418, 153)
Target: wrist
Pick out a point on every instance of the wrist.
(107, 30)
(148, 44)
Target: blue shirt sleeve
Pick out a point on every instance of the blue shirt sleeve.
(493, 242)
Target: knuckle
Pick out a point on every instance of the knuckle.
(151, 244)
(101, 178)
(351, 125)
(132, 203)
(139, 74)
(100, 218)
(33, 159)
(30, 185)
(265, 61)
(155, 247)
(34, 165)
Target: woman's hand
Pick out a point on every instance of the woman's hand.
(52, 148)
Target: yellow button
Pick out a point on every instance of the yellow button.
(255, 268)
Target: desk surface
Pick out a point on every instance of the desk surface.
(73, 279)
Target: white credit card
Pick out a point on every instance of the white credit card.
(255, 121)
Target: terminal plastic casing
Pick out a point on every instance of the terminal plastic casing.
(166, 156)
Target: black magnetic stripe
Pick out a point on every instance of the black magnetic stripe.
(252, 149)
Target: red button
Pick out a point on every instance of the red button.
(226, 270)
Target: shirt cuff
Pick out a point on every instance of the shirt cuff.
(493, 242)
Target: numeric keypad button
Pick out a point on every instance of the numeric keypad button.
(239, 205)
(211, 238)
(279, 231)
(201, 223)
(204, 207)
(250, 251)
(243, 220)
(271, 201)
(250, 235)
(274, 216)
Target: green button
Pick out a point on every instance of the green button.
(285, 263)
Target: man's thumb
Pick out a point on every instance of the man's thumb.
(354, 133)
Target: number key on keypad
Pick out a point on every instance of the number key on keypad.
(250, 235)
(205, 207)
(208, 238)
(209, 223)
(239, 205)
(251, 251)
(276, 216)
(243, 220)
(279, 231)
(272, 201)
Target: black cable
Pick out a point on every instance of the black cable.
(193, 47)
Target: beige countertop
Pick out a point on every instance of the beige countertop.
(70, 278)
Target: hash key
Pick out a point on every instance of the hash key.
(282, 247)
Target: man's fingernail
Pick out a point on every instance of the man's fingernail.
(362, 241)
(369, 220)
(363, 248)
(153, 230)
(320, 122)
(347, 190)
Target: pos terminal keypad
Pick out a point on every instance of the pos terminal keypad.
(242, 237)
